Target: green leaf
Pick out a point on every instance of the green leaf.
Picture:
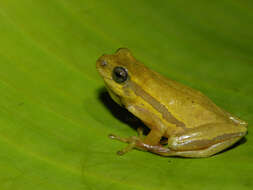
(55, 118)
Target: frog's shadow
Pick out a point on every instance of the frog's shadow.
(119, 112)
(125, 116)
(240, 142)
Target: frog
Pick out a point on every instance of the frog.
(182, 121)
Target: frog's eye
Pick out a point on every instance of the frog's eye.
(119, 74)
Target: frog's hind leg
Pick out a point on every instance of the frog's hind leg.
(165, 151)
(215, 148)
(203, 141)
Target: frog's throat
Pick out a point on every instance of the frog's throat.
(114, 96)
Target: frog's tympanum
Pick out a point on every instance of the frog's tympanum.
(191, 123)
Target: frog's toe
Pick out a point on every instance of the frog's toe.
(112, 136)
(125, 140)
(116, 137)
(128, 148)
(120, 152)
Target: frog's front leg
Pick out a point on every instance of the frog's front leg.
(151, 140)
(148, 143)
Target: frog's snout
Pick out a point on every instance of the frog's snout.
(102, 66)
(101, 62)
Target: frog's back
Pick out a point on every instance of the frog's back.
(182, 103)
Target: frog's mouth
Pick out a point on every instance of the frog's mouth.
(114, 96)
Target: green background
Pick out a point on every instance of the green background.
(55, 116)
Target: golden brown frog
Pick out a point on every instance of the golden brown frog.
(193, 124)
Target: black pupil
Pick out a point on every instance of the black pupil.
(119, 74)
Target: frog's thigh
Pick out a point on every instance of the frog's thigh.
(205, 136)
(209, 151)
(204, 141)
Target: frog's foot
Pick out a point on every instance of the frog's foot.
(132, 142)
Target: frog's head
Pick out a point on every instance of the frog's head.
(117, 70)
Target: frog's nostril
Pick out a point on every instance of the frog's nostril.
(103, 63)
